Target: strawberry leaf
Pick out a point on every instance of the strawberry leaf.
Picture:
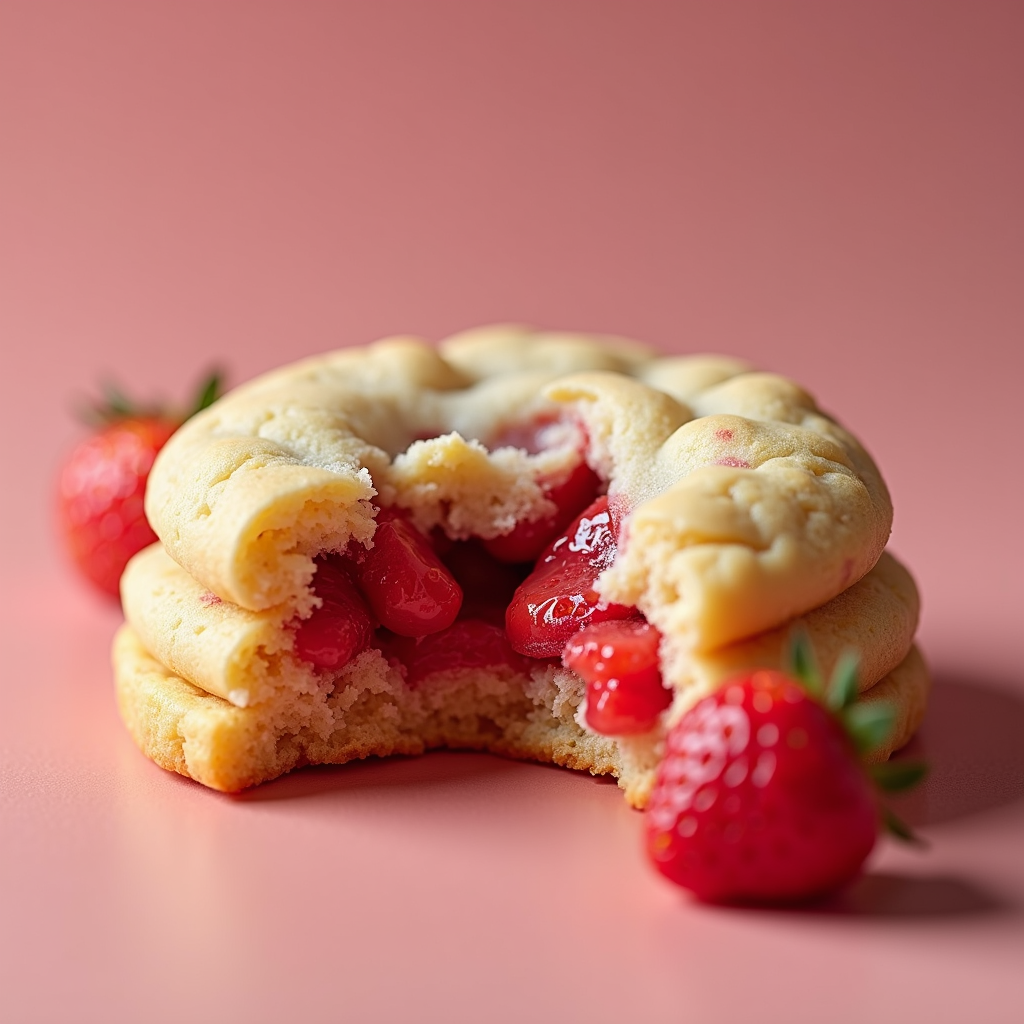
(116, 406)
(801, 663)
(900, 829)
(116, 403)
(209, 392)
(869, 725)
(843, 687)
(897, 776)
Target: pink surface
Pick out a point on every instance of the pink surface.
(831, 191)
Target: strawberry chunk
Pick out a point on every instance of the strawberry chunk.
(468, 643)
(558, 598)
(342, 626)
(528, 539)
(618, 660)
(408, 587)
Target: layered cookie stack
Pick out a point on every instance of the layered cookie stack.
(340, 540)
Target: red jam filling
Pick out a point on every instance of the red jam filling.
(558, 598)
(446, 605)
(342, 626)
(571, 495)
(469, 643)
(528, 539)
(618, 660)
(406, 584)
(487, 583)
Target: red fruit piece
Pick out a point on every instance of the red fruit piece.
(558, 598)
(100, 495)
(408, 587)
(528, 539)
(469, 643)
(342, 626)
(618, 660)
(760, 797)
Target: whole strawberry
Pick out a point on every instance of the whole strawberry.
(762, 796)
(102, 485)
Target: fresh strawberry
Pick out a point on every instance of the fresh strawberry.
(409, 588)
(761, 796)
(103, 482)
(342, 626)
(618, 660)
(558, 598)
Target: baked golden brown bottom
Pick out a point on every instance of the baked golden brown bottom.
(371, 711)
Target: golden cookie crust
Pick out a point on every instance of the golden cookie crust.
(747, 506)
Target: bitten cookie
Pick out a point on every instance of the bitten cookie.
(387, 549)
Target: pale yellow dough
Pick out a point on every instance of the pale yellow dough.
(245, 494)
(746, 512)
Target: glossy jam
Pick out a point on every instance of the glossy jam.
(529, 539)
(618, 660)
(570, 494)
(558, 598)
(408, 587)
(342, 626)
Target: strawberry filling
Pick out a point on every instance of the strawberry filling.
(468, 643)
(446, 605)
(487, 583)
(529, 539)
(407, 586)
(342, 626)
(558, 598)
(571, 495)
(618, 660)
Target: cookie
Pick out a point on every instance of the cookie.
(748, 505)
(737, 511)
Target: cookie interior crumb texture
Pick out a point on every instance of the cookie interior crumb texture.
(741, 511)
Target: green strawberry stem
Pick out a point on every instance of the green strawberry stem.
(897, 776)
(844, 684)
(116, 405)
(802, 664)
(210, 390)
(867, 725)
(895, 826)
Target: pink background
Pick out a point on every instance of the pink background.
(834, 191)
